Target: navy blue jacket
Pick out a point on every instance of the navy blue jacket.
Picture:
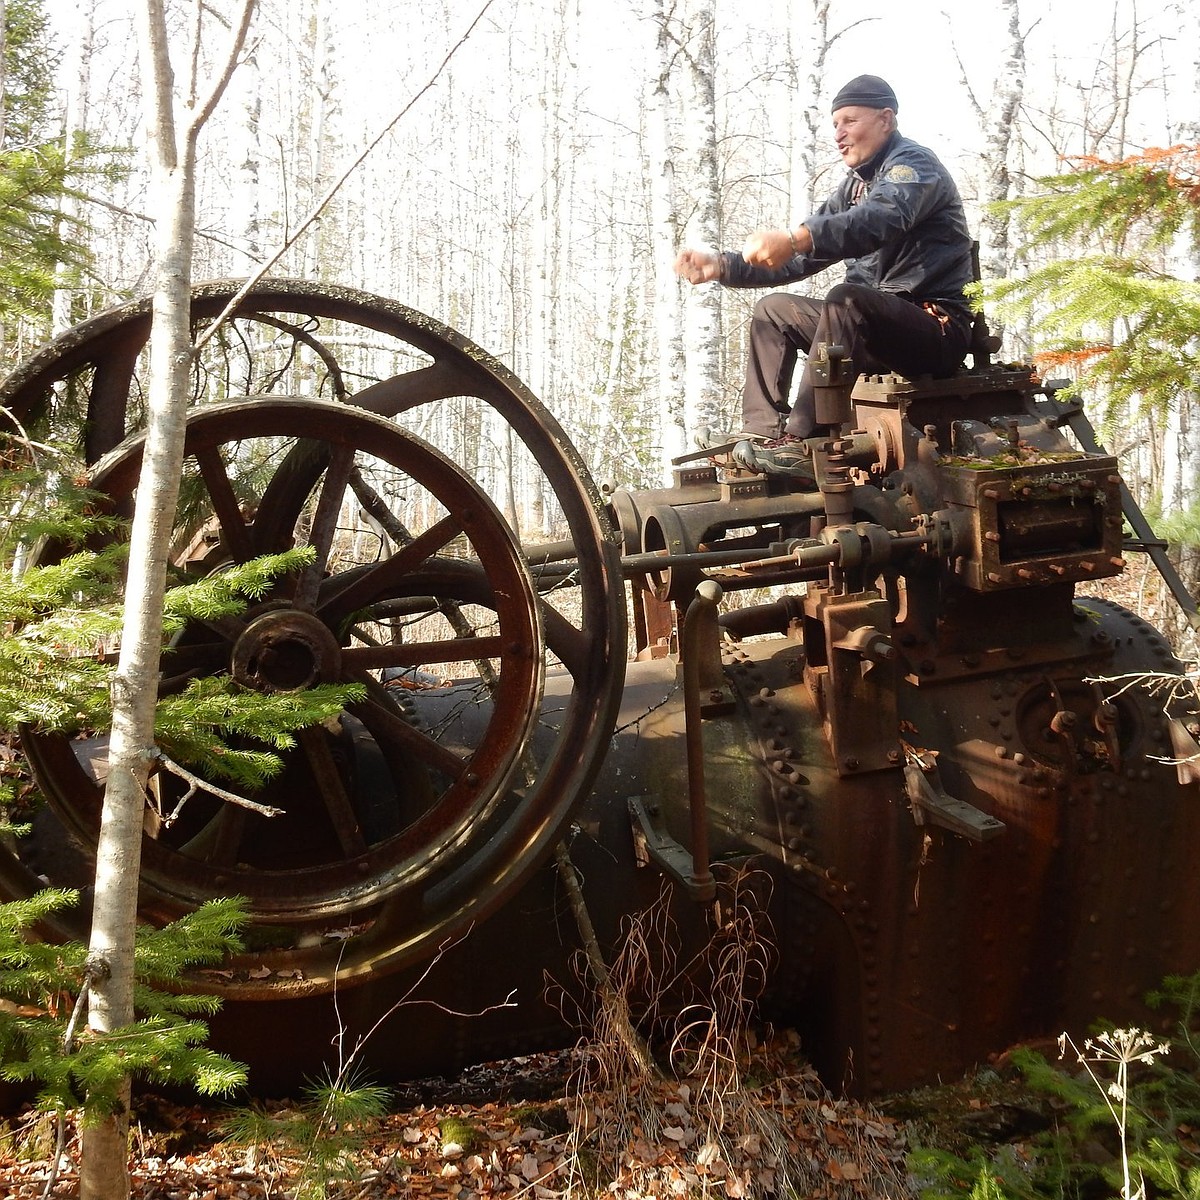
(906, 233)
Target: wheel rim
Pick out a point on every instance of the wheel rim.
(407, 905)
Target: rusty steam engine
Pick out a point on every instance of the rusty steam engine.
(888, 692)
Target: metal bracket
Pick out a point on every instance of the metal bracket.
(1070, 412)
(930, 802)
(652, 843)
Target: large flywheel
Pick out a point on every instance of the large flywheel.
(392, 834)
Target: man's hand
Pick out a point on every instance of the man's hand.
(698, 266)
(773, 247)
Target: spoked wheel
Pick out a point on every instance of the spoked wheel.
(392, 835)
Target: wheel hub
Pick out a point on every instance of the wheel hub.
(285, 651)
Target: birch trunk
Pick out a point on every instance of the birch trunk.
(104, 1161)
(1181, 458)
(808, 50)
(3, 57)
(998, 125)
(79, 83)
(666, 237)
(702, 305)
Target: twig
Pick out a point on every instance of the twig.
(410, 998)
(613, 1002)
(92, 971)
(24, 438)
(332, 191)
(196, 783)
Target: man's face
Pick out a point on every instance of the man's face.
(860, 132)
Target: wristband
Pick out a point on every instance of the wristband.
(792, 243)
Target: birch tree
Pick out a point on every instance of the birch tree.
(3, 62)
(79, 60)
(703, 384)
(809, 44)
(174, 124)
(997, 118)
(1181, 448)
(666, 232)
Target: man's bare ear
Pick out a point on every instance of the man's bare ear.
(890, 117)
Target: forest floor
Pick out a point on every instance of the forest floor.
(526, 1128)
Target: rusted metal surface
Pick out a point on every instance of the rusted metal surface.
(974, 837)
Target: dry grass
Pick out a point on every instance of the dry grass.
(729, 1114)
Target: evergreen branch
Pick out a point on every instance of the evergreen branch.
(38, 1043)
(226, 592)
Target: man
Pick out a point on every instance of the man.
(897, 222)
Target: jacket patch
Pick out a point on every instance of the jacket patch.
(901, 173)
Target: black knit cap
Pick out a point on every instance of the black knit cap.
(867, 91)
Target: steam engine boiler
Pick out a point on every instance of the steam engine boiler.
(880, 689)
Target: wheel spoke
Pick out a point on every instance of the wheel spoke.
(235, 537)
(387, 577)
(434, 382)
(386, 725)
(315, 742)
(377, 508)
(571, 645)
(191, 660)
(419, 654)
(329, 507)
(219, 842)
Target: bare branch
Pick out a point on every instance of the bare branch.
(204, 111)
(410, 999)
(197, 784)
(332, 191)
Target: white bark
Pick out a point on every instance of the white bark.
(996, 254)
(79, 56)
(809, 43)
(3, 30)
(666, 237)
(103, 1172)
(703, 385)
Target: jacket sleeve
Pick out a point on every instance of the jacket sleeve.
(908, 187)
(738, 273)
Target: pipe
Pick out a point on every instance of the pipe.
(699, 623)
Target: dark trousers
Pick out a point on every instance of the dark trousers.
(880, 332)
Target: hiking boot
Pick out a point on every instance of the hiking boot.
(712, 439)
(787, 455)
